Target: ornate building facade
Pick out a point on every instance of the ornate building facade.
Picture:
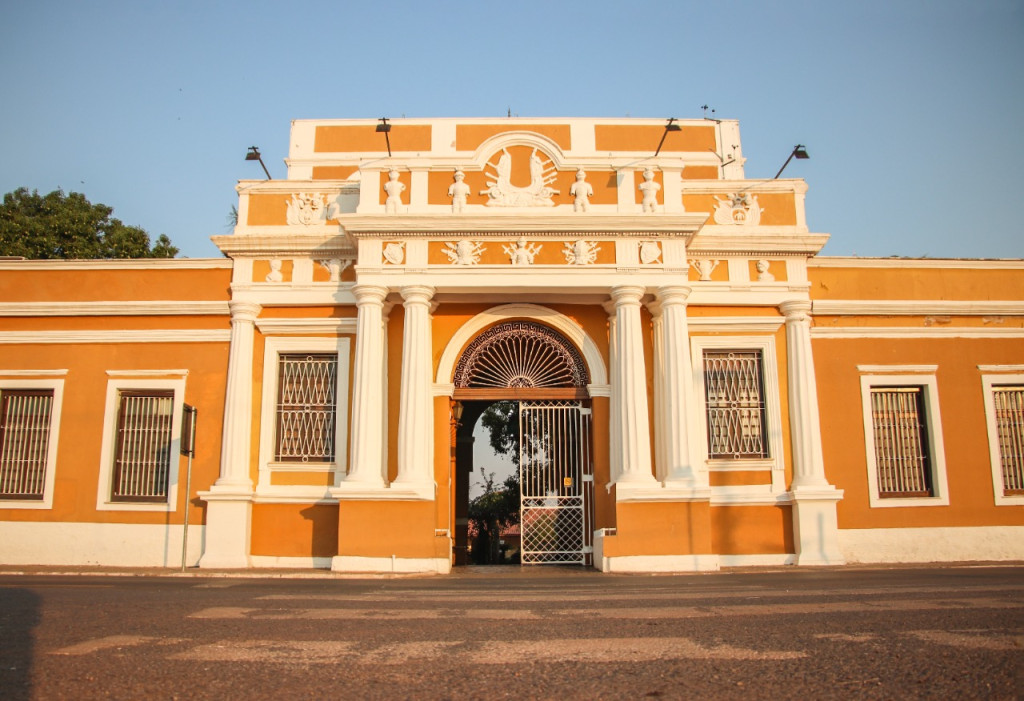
(694, 386)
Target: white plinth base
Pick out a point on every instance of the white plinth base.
(228, 524)
(815, 528)
(391, 565)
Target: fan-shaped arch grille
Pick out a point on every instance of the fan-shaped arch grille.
(518, 354)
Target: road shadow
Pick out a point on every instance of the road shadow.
(19, 615)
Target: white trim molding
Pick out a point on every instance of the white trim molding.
(916, 307)
(91, 544)
(282, 327)
(272, 350)
(826, 332)
(990, 381)
(116, 336)
(47, 380)
(943, 544)
(115, 308)
(391, 565)
(139, 380)
(933, 425)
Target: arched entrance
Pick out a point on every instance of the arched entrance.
(535, 366)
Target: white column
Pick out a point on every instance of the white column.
(815, 524)
(229, 505)
(630, 374)
(614, 406)
(415, 419)
(673, 383)
(367, 437)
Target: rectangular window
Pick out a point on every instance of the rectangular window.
(734, 395)
(901, 442)
(143, 450)
(1008, 404)
(306, 411)
(24, 442)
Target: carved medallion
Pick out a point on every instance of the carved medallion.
(738, 209)
(394, 253)
(464, 252)
(521, 253)
(306, 209)
(580, 252)
(502, 193)
(650, 252)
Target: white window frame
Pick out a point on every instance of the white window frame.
(156, 380)
(993, 377)
(880, 376)
(274, 347)
(48, 380)
(773, 413)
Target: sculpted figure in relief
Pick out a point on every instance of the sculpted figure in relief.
(305, 209)
(580, 252)
(762, 271)
(458, 191)
(275, 274)
(522, 253)
(738, 209)
(582, 191)
(394, 189)
(464, 252)
(649, 188)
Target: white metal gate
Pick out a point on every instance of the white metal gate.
(556, 482)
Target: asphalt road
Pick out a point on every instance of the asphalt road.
(952, 632)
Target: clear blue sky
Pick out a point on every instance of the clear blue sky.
(912, 110)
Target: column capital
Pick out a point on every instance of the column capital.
(370, 294)
(417, 294)
(674, 294)
(244, 311)
(796, 310)
(627, 294)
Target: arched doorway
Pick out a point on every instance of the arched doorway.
(536, 367)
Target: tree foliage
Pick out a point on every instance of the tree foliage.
(69, 226)
(494, 510)
(501, 420)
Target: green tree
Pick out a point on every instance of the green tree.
(494, 510)
(69, 226)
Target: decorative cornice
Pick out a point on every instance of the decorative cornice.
(302, 327)
(972, 263)
(116, 336)
(127, 264)
(493, 224)
(822, 332)
(114, 308)
(328, 243)
(917, 307)
(735, 324)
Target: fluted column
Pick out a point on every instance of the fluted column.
(237, 435)
(415, 419)
(229, 500)
(366, 457)
(673, 383)
(815, 522)
(630, 375)
(614, 406)
(804, 420)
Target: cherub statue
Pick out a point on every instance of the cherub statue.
(650, 190)
(582, 191)
(394, 189)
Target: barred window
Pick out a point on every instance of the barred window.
(24, 442)
(143, 458)
(901, 442)
(306, 411)
(734, 392)
(1009, 416)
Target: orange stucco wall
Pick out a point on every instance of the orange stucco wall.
(660, 528)
(63, 284)
(624, 137)
(962, 414)
(356, 138)
(751, 530)
(953, 283)
(469, 136)
(294, 530)
(386, 528)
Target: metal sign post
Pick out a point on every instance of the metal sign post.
(188, 447)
